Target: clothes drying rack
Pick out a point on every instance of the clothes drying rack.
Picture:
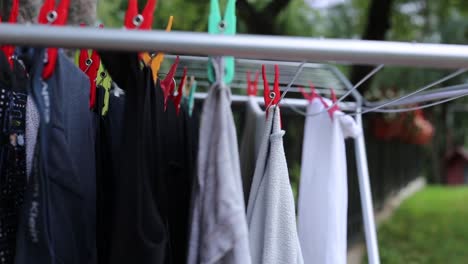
(261, 47)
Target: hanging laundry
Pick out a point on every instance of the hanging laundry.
(109, 129)
(13, 97)
(270, 211)
(253, 130)
(219, 229)
(144, 238)
(251, 139)
(323, 193)
(57, 223)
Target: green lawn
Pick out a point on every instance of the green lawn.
(430, 227)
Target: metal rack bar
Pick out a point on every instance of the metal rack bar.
(244, 46)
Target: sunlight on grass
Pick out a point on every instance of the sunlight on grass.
(430, 227)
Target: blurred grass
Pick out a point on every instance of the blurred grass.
(430, 227)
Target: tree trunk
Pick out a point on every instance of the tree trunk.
(261, 21)
(378, 23)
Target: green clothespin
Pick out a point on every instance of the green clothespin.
(105, 81)
(191, 97)
(227, 26)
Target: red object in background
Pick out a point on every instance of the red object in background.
(424, 129)
(387, 129)
(412, 128)
(456, 167)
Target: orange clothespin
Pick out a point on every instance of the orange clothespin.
(56, 17)
(157, 61)
(252, 86)
(9, 50)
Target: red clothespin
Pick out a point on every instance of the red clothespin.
(135, 20)
(90, 66)
(9, 50)
(273, 97)
(56, 17)
(335, 107)
(309, 96)
(252, 87)
(168, 85)
(176, 99)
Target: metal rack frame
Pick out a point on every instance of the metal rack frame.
(257, 47)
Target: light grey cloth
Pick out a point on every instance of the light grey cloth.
(32, 127)
(251, 139)
(219, 227)
(270, 212)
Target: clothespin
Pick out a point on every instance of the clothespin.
(90, 65)
(168, 84)
(156, 61)
(178, 98)
(273, 97)
(135, 20)
(191, 97)
(309, 96)
(335, 107)
(9, 50)
(219, 26)
(56, 17)
(252, 87)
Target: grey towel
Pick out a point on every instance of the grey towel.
(251, 139)
(270, 212)
(219, 228)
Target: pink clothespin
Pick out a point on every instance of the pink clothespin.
(335, 107)
(176, 99)
(168, 85)
(309, 96)
(273, 97)
(252, 86)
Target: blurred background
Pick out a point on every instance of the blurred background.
(417, 176)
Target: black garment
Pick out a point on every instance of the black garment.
(108, 141)
(13, 96)
(157, 165)
(57, 224)
(138, 234)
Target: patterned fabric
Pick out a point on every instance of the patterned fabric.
(12, 168)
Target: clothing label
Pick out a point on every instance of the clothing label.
(45, 95)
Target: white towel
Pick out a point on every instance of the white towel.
(323, 191)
